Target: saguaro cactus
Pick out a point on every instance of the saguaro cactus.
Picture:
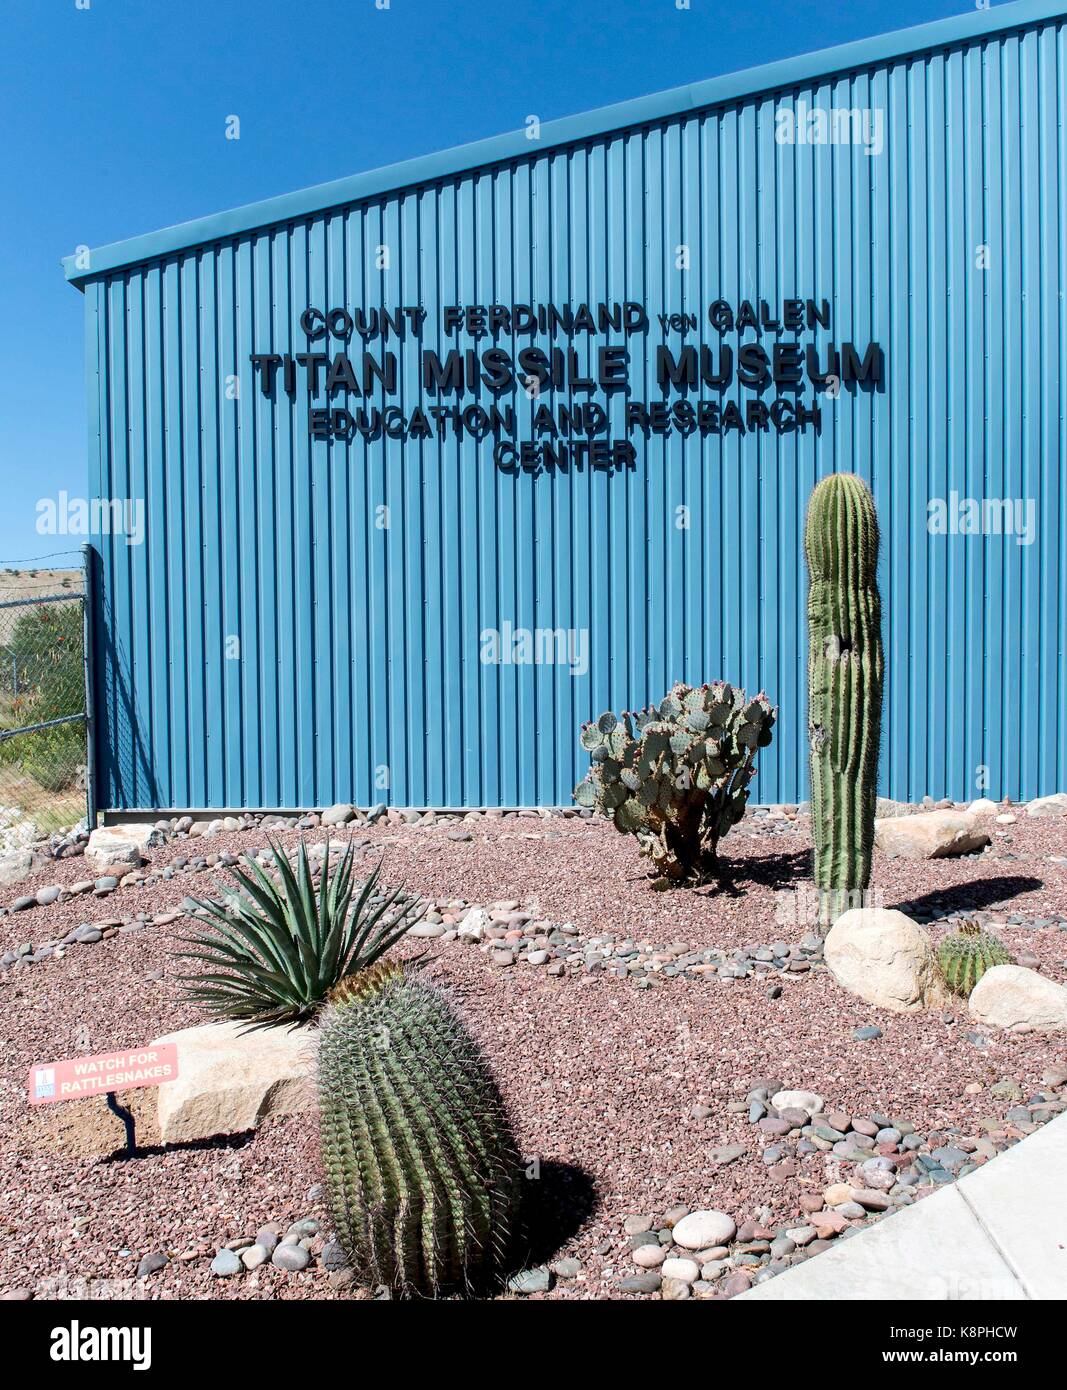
(844, 685)
(422, 1172)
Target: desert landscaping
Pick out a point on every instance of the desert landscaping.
(698, 1101)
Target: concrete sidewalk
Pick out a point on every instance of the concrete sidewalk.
(998, 1234)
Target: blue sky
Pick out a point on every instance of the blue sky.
(113, 117)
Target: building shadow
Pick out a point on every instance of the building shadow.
(122, 759)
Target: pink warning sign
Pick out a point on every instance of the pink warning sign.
(95, 1076)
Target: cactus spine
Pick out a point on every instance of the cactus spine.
(967, 954)
(422, 1172)
(844, 685)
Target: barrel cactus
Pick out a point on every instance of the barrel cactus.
(967, 954)
(422, 1172)
(844, 686)
(676, 776)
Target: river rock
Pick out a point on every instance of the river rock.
(702, 1229)
(18, 865)
(807, 1101)
(527, 1281)
(648, 1282)
(291, 1256)
(225, 1264)
(1054, 805)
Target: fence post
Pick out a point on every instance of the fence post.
(90, 686)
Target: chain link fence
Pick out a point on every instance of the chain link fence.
(42, 703)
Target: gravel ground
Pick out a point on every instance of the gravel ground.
(601, 1077)
(585, 872)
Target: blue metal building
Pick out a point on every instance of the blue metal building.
(333, 604)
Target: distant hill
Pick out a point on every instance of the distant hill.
(37, 583)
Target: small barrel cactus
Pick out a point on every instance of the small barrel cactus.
(845, 669)
(676, 776)
(967, 954)
(422, 1172)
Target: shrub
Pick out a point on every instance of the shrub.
(422, 1171)
(44, 656)
(54, 758)
(272, 951)
(676, 776)
(41, 678)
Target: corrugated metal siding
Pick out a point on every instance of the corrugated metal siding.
(359, 644)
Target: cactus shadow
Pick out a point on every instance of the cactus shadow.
(979, 894)
(766, 870)
(555, 1206)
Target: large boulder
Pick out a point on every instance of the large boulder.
(120, 844)
(229, 1081)
(1054, 805)
(20, 864)
(930, 834)
(1019, 1001)
(884, 958)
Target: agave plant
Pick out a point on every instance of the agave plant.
(272, 951)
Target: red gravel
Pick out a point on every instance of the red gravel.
(585, 872)
(599, 1075)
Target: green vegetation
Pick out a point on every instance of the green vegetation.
(967, 954)
(676, 776)
(41, 679)
(273, 950)
(844, 686)
(422, 1171)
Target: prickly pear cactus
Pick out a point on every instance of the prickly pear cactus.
(844, 685)
(422, 1172)
(676, 775)
(967, 954)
